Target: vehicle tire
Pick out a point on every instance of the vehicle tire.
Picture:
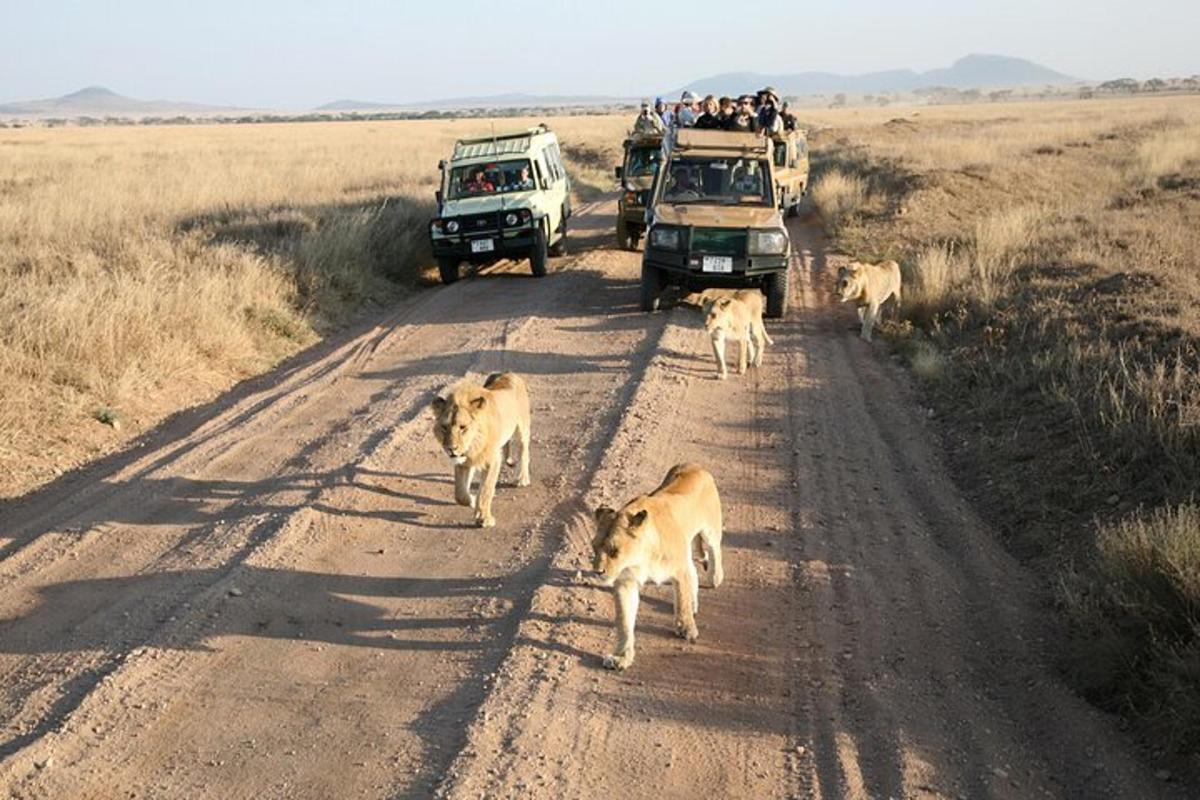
(538, 258)
(777, 294)
(560, 247)
(626, 239)
(653, 282)
(448, 269)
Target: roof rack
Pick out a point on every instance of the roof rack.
(501, 144)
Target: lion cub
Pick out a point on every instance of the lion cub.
(652, 539)
(870, 286)
(474, 424)
(737, 317)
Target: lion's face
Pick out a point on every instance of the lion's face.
(618, 541)
(718, 314)
(456, 423)
(850, 282)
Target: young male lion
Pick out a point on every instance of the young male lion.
(474, 424)
(652, 538)
(870, 286)
(737, 317)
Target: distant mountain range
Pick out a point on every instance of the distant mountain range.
(96, 101)
(970, 72)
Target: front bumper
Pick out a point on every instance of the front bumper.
(688, 266)
(509, 243)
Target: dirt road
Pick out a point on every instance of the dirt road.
(275, 596)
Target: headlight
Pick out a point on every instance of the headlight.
(665, 238)
(516, 217)
(768, 243)
(452, 226)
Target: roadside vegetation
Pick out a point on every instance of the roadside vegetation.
(143, 270)
(1051, 257)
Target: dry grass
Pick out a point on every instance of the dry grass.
(146, 269)
(1052, 262)
(838, 196)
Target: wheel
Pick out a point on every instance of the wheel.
(448, 268)
(777, 294)
(625, 238)
(559, 248)
(537, 259)
(653, 282)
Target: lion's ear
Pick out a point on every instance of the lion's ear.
(479, 401)
(706, 305)
(638, 519)
(438, 404)
(604, 512)
(725, 301)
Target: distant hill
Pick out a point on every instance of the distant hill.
(511, 100)
(97, 101)
(969, 72)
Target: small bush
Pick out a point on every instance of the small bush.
(838, 196)
(1139, 619)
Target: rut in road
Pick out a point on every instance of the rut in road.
(277, 597)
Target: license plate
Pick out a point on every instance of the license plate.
(717, 264)
(482, 246)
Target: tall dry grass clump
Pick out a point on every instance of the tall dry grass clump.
(838, 195)
(146, 269)
(1163, 154)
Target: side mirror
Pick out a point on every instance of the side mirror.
(442, 165)
(619, 172)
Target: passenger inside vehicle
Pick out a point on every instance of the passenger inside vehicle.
(682, 186)
(643, 161)
(479, 183)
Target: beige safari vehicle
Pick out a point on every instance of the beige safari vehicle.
(502, 196)
(715, 219)
(643, 154)
(790, 153)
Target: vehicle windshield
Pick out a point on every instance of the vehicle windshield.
(717, 181)
(643, 161)
(494, 177)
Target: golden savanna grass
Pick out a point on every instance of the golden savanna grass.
(146, 269)
(1052, 259)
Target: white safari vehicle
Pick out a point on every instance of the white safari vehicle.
(502, 196)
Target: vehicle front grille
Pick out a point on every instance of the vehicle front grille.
(719, 241)
(473, 223)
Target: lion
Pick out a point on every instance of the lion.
(739, 317)
(653, 538)
(476, 426)
(870, 286)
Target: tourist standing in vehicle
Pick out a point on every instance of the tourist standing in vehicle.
(686, 116)
(744, 119)
(769, 121)
(789, 119)
(710, 118)
(664, 113)
(647, 121)
(726, 113)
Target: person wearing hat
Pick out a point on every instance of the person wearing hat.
(664, 113)
(769, 121)
(647, 121)
(789, 119)
(686, 116)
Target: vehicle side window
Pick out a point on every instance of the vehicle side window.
(556, 164)
(781, 155)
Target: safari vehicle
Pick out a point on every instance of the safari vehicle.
(715, 219)
(501, 196)
(790, 153)
(643, 153)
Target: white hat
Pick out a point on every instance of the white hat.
(689, 97)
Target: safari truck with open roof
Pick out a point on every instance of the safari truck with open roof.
(790, 153)
(643, 153)
(715, 219)
(502, 196)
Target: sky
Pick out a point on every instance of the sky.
(301, 54)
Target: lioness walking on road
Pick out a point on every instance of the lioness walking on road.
(738, 317)
(478, 426)
(870, 286)
(652, 538)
